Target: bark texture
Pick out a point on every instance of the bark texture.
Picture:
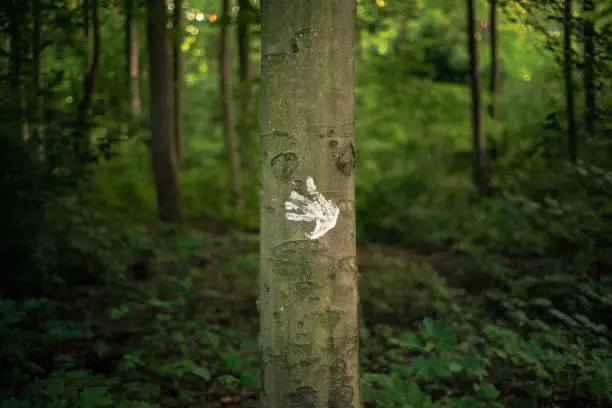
(590, 105)
(162, 114)
(570, 110)
(245, 118)
(480, 173)
(132, 47)
(308, 287)
(179, 76)
(227, 110)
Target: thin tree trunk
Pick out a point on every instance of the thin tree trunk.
(495, 72)
(569, 88)
(178, 78)
(227, 111)
(589, 70)
(133, 59)
(479, 175)
(245, 118)
(308, 280)
(39, 113)
(82, 142)
(15, 27)
(162, 114)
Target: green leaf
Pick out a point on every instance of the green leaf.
(93, 397)
(439, 331)
(411, 340)
(486, 391)
(228, 380)
(413, 395)
(250, 379)
(200, 371)
(428, 368)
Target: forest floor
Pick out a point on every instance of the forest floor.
(177, 325)
(187, 311)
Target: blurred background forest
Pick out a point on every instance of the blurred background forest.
(129, 199)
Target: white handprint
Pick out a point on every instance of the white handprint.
(314, 208)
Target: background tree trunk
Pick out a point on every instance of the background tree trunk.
(567, 75)
(178, 77)
(308, 281)
(37, 79)
(227, 111)
(480, 174)
(590, 110)
(495, 72)
(16, 55)
(162, 114)
(245, 118)
(82, 142)
(132, 47)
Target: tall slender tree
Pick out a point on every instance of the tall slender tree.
(308, 276)
(132, 47)
(179, 75)
(37, 78)
(479, 170)
(227, 110)
(590, 104)
(568, 68)
(82, 142)
(495, 71)
(162, 114)
(16, 56)
(246, 111)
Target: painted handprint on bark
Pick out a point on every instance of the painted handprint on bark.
(313, 208)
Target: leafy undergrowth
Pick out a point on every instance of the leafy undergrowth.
(177, 328)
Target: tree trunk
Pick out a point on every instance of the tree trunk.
(569, 88)
(132, 47)
(480, 174)
(589, 69)
(38, 100)
(227, 111)
(495, 73)
(178, 78)
(82, 142)
(15, 27)
(308, 276)
(245, 118)
(162, 114)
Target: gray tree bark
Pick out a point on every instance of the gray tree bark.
(308, 280)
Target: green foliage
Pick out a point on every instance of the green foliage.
(489, 366)
(479, 303)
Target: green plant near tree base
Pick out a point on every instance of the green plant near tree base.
(490, 367)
